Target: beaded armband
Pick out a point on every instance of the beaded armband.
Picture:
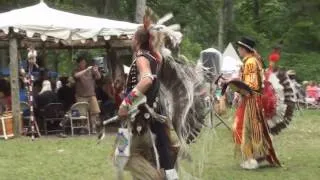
(134, 96)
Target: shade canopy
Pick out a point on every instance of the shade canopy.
(49, 22)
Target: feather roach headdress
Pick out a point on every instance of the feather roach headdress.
(159, 33)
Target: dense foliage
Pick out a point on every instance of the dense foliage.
(295, 23)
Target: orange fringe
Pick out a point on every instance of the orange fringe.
(249, 129)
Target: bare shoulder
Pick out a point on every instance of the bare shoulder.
(142, 60)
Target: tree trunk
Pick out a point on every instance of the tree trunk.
(14, 81)
(229, 16)
(256, 11)
(225, 22)
(140, 10)
(108, 8)
(221, 29)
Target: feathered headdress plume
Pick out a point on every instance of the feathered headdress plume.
(149, 18)
(159, 33)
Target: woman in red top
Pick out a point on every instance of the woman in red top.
(118, 93)
(5, 94)
(312, 91)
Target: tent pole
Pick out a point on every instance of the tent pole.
(14, 81)
(44, 56)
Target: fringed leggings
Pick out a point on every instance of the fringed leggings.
(251, 132)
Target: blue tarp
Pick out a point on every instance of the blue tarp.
(23, 95)
(6, 72)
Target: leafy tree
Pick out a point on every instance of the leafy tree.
(296, 23)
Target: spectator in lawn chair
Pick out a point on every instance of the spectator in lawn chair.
(43, 93)
(45, 97)
(318, 92)
(43, 75)
(5, 95)
(85, 78)
(312, 90)
(105, 94)
(66, 93)
(118, 92)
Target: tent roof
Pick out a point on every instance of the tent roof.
(230, 51)
(58, 24)
(211, 50)
(231, 61)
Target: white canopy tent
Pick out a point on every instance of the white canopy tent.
(126, 69)
(49, 22)
(54, 27)
(231, 62)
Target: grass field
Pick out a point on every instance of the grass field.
(80, 158)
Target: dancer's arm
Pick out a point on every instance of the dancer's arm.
(142, 87)
(146, 77)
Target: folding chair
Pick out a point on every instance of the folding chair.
(79, 117)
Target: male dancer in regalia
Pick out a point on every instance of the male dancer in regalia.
(250, 131)
(142, 80)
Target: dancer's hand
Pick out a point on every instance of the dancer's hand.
(123, 112)
(89, 68)
(236, 99)
(95, 69)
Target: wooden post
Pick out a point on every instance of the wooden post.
(106, 60)
(14, 81)
(116, 65)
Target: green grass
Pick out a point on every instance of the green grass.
(80, 158)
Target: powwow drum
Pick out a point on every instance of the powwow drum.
(6, 125)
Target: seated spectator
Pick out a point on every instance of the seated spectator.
(66, 94)
(318, 92)
(105, 93)
(46, 95)
(101, 94)
(59, 84)
(118, 92)
(312, 91)
(23, 95)
(5, 95)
